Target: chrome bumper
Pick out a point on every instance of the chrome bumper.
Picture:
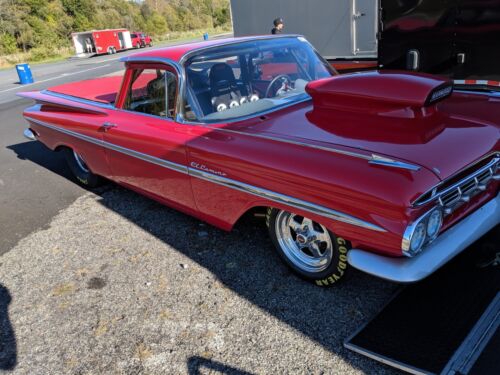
(28, 133)
(445, 247)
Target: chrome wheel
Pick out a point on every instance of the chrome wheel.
(305, 243)
(80, 162)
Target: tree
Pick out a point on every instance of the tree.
(47, 24)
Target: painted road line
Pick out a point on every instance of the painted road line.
(57, 77)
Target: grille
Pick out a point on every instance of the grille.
(451, 194)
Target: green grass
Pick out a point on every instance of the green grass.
(179, 36)
(47, 55)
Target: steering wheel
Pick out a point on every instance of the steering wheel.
(283, 78)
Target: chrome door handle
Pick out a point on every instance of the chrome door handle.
(108, 125)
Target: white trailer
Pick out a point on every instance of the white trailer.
(339, 29)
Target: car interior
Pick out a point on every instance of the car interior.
(239, 83)
(147, 93)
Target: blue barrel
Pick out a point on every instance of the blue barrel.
(205, 36)
(24, 74)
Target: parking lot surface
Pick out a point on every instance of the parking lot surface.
(118, 284)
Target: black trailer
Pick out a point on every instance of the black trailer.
(455, 38)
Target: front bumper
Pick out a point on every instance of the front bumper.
(445, 247)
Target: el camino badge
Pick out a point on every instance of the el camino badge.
(204, 168)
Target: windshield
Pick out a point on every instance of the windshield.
(236, 80)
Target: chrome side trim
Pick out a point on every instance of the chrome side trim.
(236, 185)
(372, 159)
(28, 133)
(285, 199)
(136, 154)
(382, 160)
(445, 247)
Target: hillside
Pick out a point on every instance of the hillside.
(41, 29)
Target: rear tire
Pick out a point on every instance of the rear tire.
(80, 169)
(312, 252)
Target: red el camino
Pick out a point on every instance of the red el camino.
(391, 173)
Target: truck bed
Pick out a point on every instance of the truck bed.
(103, 90)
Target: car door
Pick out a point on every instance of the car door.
(146, 148)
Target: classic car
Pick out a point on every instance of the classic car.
(388, 172)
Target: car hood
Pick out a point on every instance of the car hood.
(441, 138)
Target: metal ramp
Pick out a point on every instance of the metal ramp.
(446, 324)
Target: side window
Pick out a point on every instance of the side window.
(152, 91)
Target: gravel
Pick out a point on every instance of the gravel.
(118, 284)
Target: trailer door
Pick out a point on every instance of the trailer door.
(364, 27)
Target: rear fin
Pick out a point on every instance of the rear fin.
(62, 102)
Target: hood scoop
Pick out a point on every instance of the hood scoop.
(393, 93)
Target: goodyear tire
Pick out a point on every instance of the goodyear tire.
(307, 247)
(80, 169)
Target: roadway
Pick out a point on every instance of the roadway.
(36, 184)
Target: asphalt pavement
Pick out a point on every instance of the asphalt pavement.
(119, 284)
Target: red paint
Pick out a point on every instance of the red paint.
(141, 39)
(448, 135)
(104, 40)
(269, 71)
(102, 90)
(351, 66)
(374, 90)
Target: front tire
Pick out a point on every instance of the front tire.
(80, 169)
(312, 252)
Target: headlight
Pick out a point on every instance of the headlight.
(418, 238)
(434, 223)
(422, 232)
